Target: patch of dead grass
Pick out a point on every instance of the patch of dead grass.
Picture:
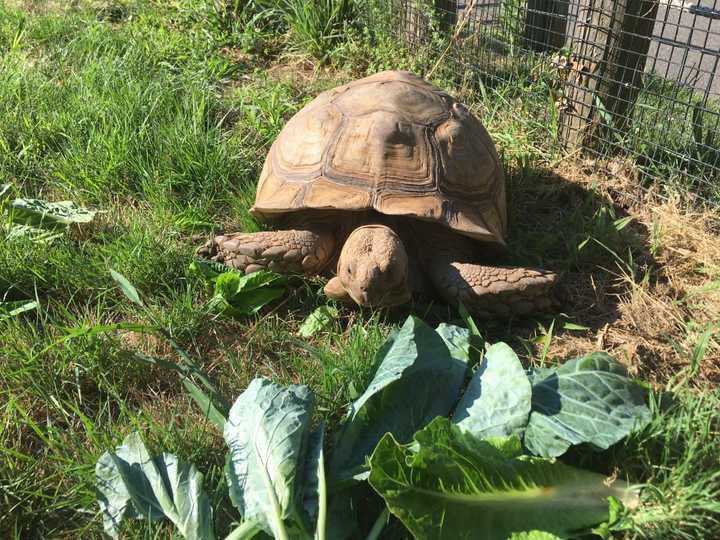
(658, 320)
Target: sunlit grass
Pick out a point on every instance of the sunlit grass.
(137, 109)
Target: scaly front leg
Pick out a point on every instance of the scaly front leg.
(290, 251)
(449, 260)
(489, 291)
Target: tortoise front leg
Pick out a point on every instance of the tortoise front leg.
(290, 251)
(487, 291)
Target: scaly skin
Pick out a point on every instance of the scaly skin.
(449, 260)
(493, 290)
(291, 251)
(374, 269)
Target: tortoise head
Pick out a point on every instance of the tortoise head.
(372, 269)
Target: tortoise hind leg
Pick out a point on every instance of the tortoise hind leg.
(488, 291)
(289, 251)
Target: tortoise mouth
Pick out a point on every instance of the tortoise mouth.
(388, 298)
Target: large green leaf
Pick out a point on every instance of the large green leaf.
(41, 221)
(238, 295)
(451, 485)
(48, 215)
(586, 400)
(12, 309)
(37, 220)
(461, 343)
(496, 403)
(268, 435)
(132, 484)
(417, 380)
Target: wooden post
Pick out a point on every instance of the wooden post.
(609, 47)
(546, 24)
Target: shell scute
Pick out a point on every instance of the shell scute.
(381, 148)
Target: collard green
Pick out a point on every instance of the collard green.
(417, 380)
(239, 295)
(132, 484)
(268, 435)
(318, 321)
(586, 400)
(47, 215)
(496, 403)
(461, 343)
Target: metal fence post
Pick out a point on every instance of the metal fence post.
(609, 48)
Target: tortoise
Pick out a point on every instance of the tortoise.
(397, 188)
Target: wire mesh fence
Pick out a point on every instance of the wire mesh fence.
(630, 79)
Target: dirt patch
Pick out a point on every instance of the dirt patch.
(147, 344)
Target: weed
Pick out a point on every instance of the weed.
(317, 26)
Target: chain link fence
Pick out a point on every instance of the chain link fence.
(632, 81)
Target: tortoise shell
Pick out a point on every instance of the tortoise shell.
(391, 142)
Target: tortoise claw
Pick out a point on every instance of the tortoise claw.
(208, 250)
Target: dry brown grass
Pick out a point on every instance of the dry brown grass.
(655, 320)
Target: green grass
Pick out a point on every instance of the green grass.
(137, 109)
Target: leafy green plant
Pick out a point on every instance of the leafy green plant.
(274, 473)
(417, 379)
(236, 294)
(133, 484)
(497, 401)
(43, 214)
(473, 471)
(589, 399)
(274, 468)
(319, 320)
(586, 400)
(39, 220)
(450, 484)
